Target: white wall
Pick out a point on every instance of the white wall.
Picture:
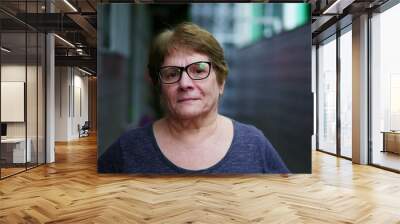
(80, 112)
(33, 126)
(71, 94)
(61, 103)
(13, 73)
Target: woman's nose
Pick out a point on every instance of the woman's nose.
(185, 81)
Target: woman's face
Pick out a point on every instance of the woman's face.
(187, 98)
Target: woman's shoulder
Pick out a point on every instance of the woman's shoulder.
(249, 134)
(247, 131)
(251, 137)
(136, 135)
(121, 151)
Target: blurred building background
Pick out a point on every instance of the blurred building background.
(240, 25)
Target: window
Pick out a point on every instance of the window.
(385, 88)
(327, 96)
(346, 93)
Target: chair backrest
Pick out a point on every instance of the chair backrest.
(86, 125)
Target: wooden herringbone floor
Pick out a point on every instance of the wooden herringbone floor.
(70, 191)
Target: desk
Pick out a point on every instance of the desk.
(391, 141)
(17, 150)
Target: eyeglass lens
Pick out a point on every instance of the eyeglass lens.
(196, 71)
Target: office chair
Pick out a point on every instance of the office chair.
(84, 130)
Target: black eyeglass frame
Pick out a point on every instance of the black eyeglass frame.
(181, 69)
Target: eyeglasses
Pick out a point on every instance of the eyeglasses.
(196, 71)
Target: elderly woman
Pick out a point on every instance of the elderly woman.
(188, 68)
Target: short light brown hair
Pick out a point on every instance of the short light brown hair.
(188, 36)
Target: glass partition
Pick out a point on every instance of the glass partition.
(327, 95)
(22, 91)
(13, 108)
(385, 88)
(346, 93)
(41, 91)
(31, 100)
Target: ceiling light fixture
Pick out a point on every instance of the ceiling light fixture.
(65, 41)
(337, 7)
(86, 72)
(70, 5)
(79, 51)
(333, 6)
(5, 49)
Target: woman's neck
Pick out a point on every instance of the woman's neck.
(192, 129)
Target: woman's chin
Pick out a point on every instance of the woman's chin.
(188, 114)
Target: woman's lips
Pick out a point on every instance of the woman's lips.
(187, 100)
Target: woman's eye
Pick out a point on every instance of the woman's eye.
(172, 75)
(199, 70)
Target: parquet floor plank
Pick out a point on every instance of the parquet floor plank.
(71, 191)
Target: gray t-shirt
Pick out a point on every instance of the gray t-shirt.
(137, 151)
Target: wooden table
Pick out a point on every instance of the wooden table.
(15, 147)
(391, 141)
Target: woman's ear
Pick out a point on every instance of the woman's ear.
(221, 88)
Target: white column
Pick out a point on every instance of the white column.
(50, 110)
(50, 93)
(360, 90)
